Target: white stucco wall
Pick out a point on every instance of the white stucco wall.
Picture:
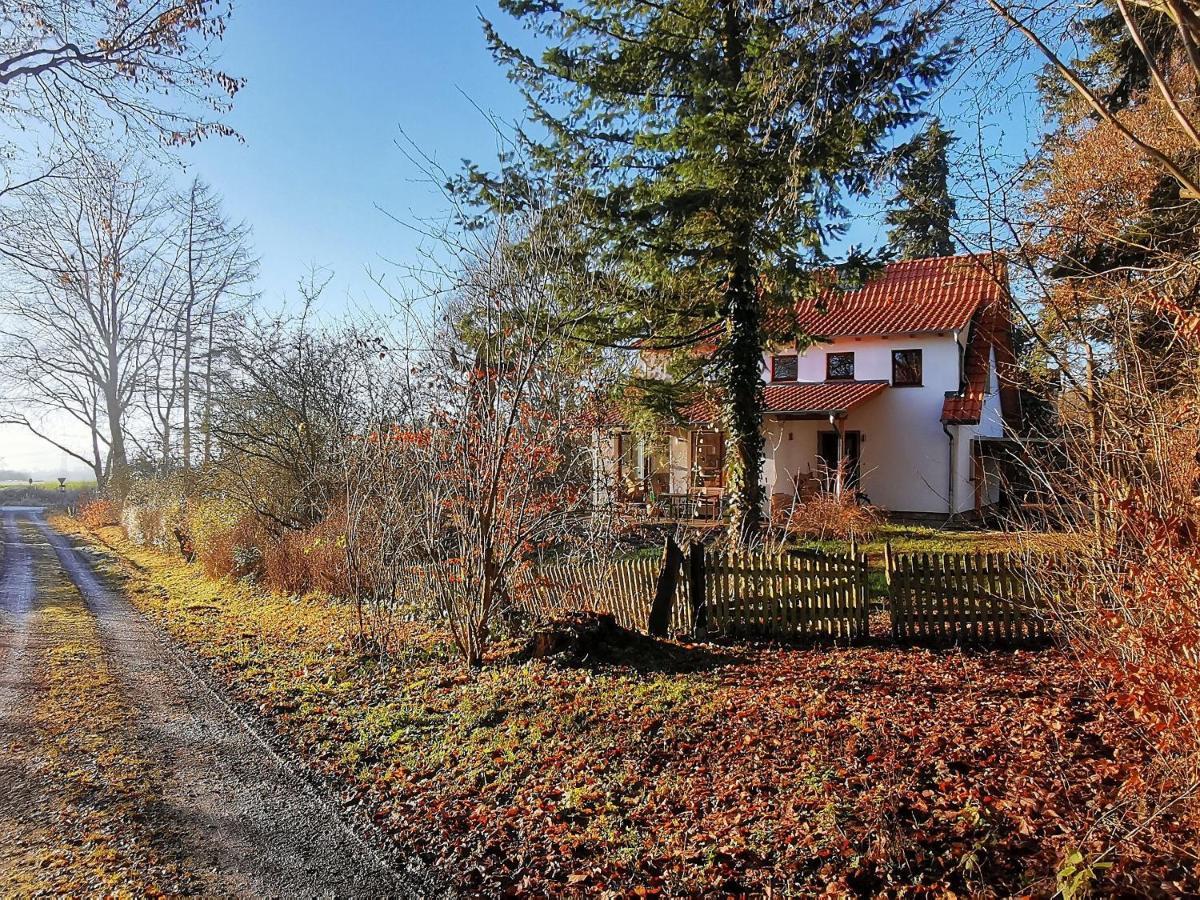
(905, 453)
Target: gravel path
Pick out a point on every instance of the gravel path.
(16, 600)
(223, 808)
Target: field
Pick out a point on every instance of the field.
(673, 768)
(44, 493)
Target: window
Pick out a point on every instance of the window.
(628, 471)
(783, 368)
(906, 368)
(708, 459)
(839, 366)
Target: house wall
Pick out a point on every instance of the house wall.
(905, 452)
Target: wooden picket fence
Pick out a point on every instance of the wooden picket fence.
(794, 595)
(979, 599)
(625, 589)
(943, 599)
(746, 594)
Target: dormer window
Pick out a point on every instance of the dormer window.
(839, 366)
(783, 367)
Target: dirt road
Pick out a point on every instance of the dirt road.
(121, 770)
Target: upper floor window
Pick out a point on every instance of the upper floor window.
(906, 368)
(783, 367)
(839, 366)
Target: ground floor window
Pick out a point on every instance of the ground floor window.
(708, 459)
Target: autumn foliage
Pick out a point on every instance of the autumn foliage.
(827, 517)
(99, 513)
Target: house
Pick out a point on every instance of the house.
(903, 396)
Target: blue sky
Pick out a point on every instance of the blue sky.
(329, 88)
(327, 95)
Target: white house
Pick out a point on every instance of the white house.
(909, 385)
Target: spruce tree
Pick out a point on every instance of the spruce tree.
(713, 144)
(922, 211)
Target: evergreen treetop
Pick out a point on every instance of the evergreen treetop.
(923, 211)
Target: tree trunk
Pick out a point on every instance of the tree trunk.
(742, 370)
(206, 416)
(742, 351)
(186, 424)
(664, 593)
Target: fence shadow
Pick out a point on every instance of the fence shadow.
(601, 643)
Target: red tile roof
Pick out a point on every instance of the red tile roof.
(820, 397)
(800, 398)
(920, 295)
(991, 329)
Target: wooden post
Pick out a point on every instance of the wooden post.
(696, 590)
(664, 595)
(894, 609)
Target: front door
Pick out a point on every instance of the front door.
(827, 447)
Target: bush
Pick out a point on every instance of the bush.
(224, 538)
(826, 517)
(315, 559)
(99, 514)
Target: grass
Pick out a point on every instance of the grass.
(927, 539)
(75, 485)
(45, 493)
(681, 769)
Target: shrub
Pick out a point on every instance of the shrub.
(223, 538)
(99, 514)
(285, 566)
(826, 517)
(314, 559)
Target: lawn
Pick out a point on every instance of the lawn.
(671, 768)
(74, 485)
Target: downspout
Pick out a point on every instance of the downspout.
(950, 468)
(962, 352)
(962, 384)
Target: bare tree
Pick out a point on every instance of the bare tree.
(506, 458)
(291, 396)
(208, 284)
(145, 64)
(85, 260)
(1110, 251)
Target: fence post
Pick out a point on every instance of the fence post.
(892, 606)
(696, 590)
(664, 594)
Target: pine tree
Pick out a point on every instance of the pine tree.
(1112, 63)
(713, 144)
(922, 211)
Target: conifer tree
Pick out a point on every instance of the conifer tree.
(713, 144)
(922, 211)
